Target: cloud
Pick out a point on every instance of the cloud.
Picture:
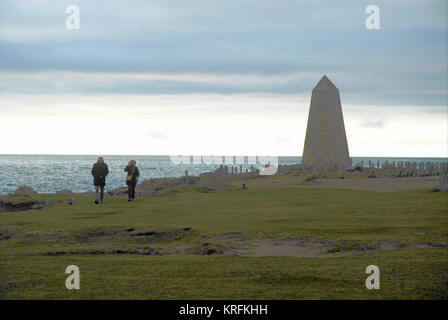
(204, 124)
(264, 39)
(158, 135)
(366, 91)
(373, 123)
(247, 62)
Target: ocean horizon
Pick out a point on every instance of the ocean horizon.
(50, 173)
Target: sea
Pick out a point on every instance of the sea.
(51, 173)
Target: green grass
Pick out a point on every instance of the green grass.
(346, 216)
(405, 274)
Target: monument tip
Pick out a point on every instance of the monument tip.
(325, 83)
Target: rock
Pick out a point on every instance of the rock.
(24, 190)
(207, 249)
(65, 191)
(213, 180)
(37, 206)
(20, 206)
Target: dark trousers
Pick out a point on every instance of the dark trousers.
(131, 190)
(99, 193)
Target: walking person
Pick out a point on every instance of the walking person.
(131, 178)
(99, 172)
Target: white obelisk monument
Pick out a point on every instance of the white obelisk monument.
(325, 140)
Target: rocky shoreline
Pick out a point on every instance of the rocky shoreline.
(224, 176)
(210, 181)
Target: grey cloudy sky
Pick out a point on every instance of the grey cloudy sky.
(232, 47)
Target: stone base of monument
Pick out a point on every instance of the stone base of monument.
(341, 173)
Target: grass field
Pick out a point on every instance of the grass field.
(189, 244)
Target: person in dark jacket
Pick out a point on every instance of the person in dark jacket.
(131, 178)
(99, 172)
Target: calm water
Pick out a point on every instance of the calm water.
(50, 173)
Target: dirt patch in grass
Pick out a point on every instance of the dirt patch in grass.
(138, 250)
(235, 244)
(117, 237)
(208, 249)
(303, 248)
(133, 241)
(131, 234)
(13, 206)
(8, 234)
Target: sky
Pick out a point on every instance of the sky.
(215, 77)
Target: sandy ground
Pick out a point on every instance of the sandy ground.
(375, 184)
(309, 248)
